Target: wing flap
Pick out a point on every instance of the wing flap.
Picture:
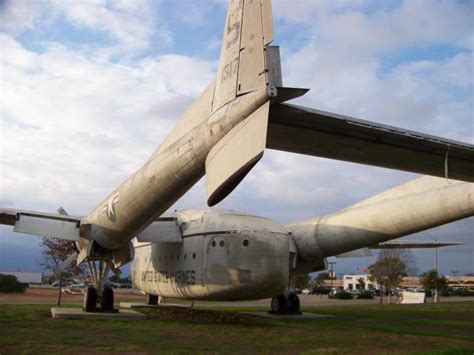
(41, 224)
(307, 131)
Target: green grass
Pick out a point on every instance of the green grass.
(446, 328)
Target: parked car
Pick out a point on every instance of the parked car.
(74, 289)
(320, 290)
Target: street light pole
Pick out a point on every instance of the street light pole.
(436, 296)
(331, 271)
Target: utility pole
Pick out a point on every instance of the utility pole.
(331, 271)
(436, 296)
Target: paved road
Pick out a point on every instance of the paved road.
(49, 295)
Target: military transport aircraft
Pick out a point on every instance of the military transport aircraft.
(225, 255)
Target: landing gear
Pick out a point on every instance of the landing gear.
(107, 299)
(99, 293)
(152, 300)
(279, 304)
(90, 299)
(293, 303)
(285, 304)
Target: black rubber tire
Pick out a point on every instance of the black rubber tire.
(107, 299)
(294, 303)
(152, 300)
(90, 300)
(279, 304)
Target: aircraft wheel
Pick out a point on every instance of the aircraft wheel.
(279, 304)
(294, 303)
(152, 300)
(90, 300)
(107, 299)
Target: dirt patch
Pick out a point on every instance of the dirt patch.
(200, 316)
(50, 295)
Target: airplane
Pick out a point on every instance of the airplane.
(225, 255)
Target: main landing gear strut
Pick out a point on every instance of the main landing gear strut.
(98, 292)
(285, 304)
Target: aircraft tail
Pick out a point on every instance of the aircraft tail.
(242, 66)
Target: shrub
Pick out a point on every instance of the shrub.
(10, 284)
(365, 295)
(342, 295)
(463, 292)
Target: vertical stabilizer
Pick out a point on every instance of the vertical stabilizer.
(242, 66)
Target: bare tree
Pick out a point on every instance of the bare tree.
(404, 255)
(55, 251)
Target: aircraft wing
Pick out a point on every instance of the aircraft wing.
(41, 224)
(308, 131)
(411, 244)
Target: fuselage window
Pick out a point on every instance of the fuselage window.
(221, 243)
(213, 243)
(185, 256)
(245, 243)
(194, 255)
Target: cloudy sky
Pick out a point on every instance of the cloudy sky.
(90, 88)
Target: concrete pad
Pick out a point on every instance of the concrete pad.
(289, 316)
(78, 313)
(146, 305)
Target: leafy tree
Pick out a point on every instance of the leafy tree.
(10, 284)
(432, 281)
(361, 282)
(387, 272)
(321, 277)
(119, 280)
(301, 281)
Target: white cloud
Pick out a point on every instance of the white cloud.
(66, 119)
(385, 30)
(16, 17)
(131, 26)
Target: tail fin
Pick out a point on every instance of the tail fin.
(247, 32)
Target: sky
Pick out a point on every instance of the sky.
(90, 88)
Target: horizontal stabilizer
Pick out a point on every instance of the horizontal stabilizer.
(41, 224)
(358, 253)
(412, 244)
(164, 230)
(235, 155)
(286, 94)
(307, 131)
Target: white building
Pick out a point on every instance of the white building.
(27, 277)
(358, 282)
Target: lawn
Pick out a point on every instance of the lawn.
(430, 328)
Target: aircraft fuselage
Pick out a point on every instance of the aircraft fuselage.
(171, 171)
(222, 256)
